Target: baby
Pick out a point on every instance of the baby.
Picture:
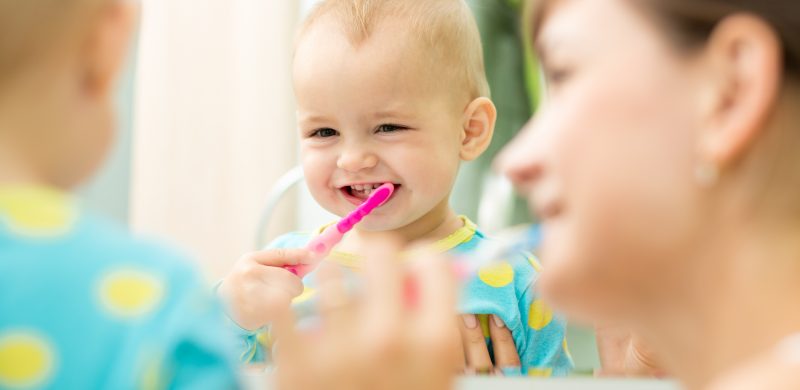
(85, 305)
(395, 92)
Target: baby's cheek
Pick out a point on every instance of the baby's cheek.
(433, 180)
(318, 178)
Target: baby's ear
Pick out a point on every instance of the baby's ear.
(107, 46)
(478, 128)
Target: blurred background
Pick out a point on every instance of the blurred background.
(207, 144)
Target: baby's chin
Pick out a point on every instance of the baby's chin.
(380, 224)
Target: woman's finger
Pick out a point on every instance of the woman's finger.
(434, 289)
(460, 356)
(383, 303)
(434, 300)
(433, 320)
(294, 355)
(475, 349)
(291, 348)
(503, 346)
(336, 306)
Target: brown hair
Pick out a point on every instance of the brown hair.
(29, 29)
(691, 22)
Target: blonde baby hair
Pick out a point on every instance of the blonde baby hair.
(446, 28)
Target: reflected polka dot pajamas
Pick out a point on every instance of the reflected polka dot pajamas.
(505, 289)
(85, 306)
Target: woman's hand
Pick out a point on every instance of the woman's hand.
(623, 354)
(476, 358)
(377, 341)
(259, 286)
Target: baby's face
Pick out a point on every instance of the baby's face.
(370, 115)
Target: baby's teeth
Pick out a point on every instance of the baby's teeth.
(366, 189)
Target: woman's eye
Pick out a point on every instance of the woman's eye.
(389, 128)
(324, 133)
(556, 77)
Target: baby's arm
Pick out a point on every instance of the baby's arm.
(256, 288)
(545, 352)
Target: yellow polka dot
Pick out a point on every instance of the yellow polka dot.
(152, 376)
(535, 263)
(307, 294)
(540, 372)
(131, 293)
(35, 211)
(497, 275)
(540, 315)
(26, 359)
(483, 320)
(265, 339)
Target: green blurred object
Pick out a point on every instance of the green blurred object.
(514, 79)
(517, 89)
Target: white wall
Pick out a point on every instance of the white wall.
(214, 122)
(109, 192)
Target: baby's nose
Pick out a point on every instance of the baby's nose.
(356, 159)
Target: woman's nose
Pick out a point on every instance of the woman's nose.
(521, 160)
(354, 159)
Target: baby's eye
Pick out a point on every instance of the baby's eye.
(389, 128)
(324, 133)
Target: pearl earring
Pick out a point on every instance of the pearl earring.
(706, 174)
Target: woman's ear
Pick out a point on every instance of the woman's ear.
(478, 128)
(744, 60)
(107, 46)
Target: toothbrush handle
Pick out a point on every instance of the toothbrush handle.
(320, 246)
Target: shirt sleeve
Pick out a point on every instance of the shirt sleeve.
(196, 351)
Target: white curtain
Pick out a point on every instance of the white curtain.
(214, 122)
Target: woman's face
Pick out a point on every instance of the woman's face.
(609, 160)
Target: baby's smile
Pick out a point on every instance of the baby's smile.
(358, 193)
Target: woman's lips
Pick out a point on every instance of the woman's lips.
(548, 210)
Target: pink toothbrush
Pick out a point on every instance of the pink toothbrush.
(321, 245)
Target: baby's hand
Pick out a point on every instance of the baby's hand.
(259, 286)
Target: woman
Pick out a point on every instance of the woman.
(678, 118)
(665, 168)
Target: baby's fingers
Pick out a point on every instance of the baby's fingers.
(280, 257)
